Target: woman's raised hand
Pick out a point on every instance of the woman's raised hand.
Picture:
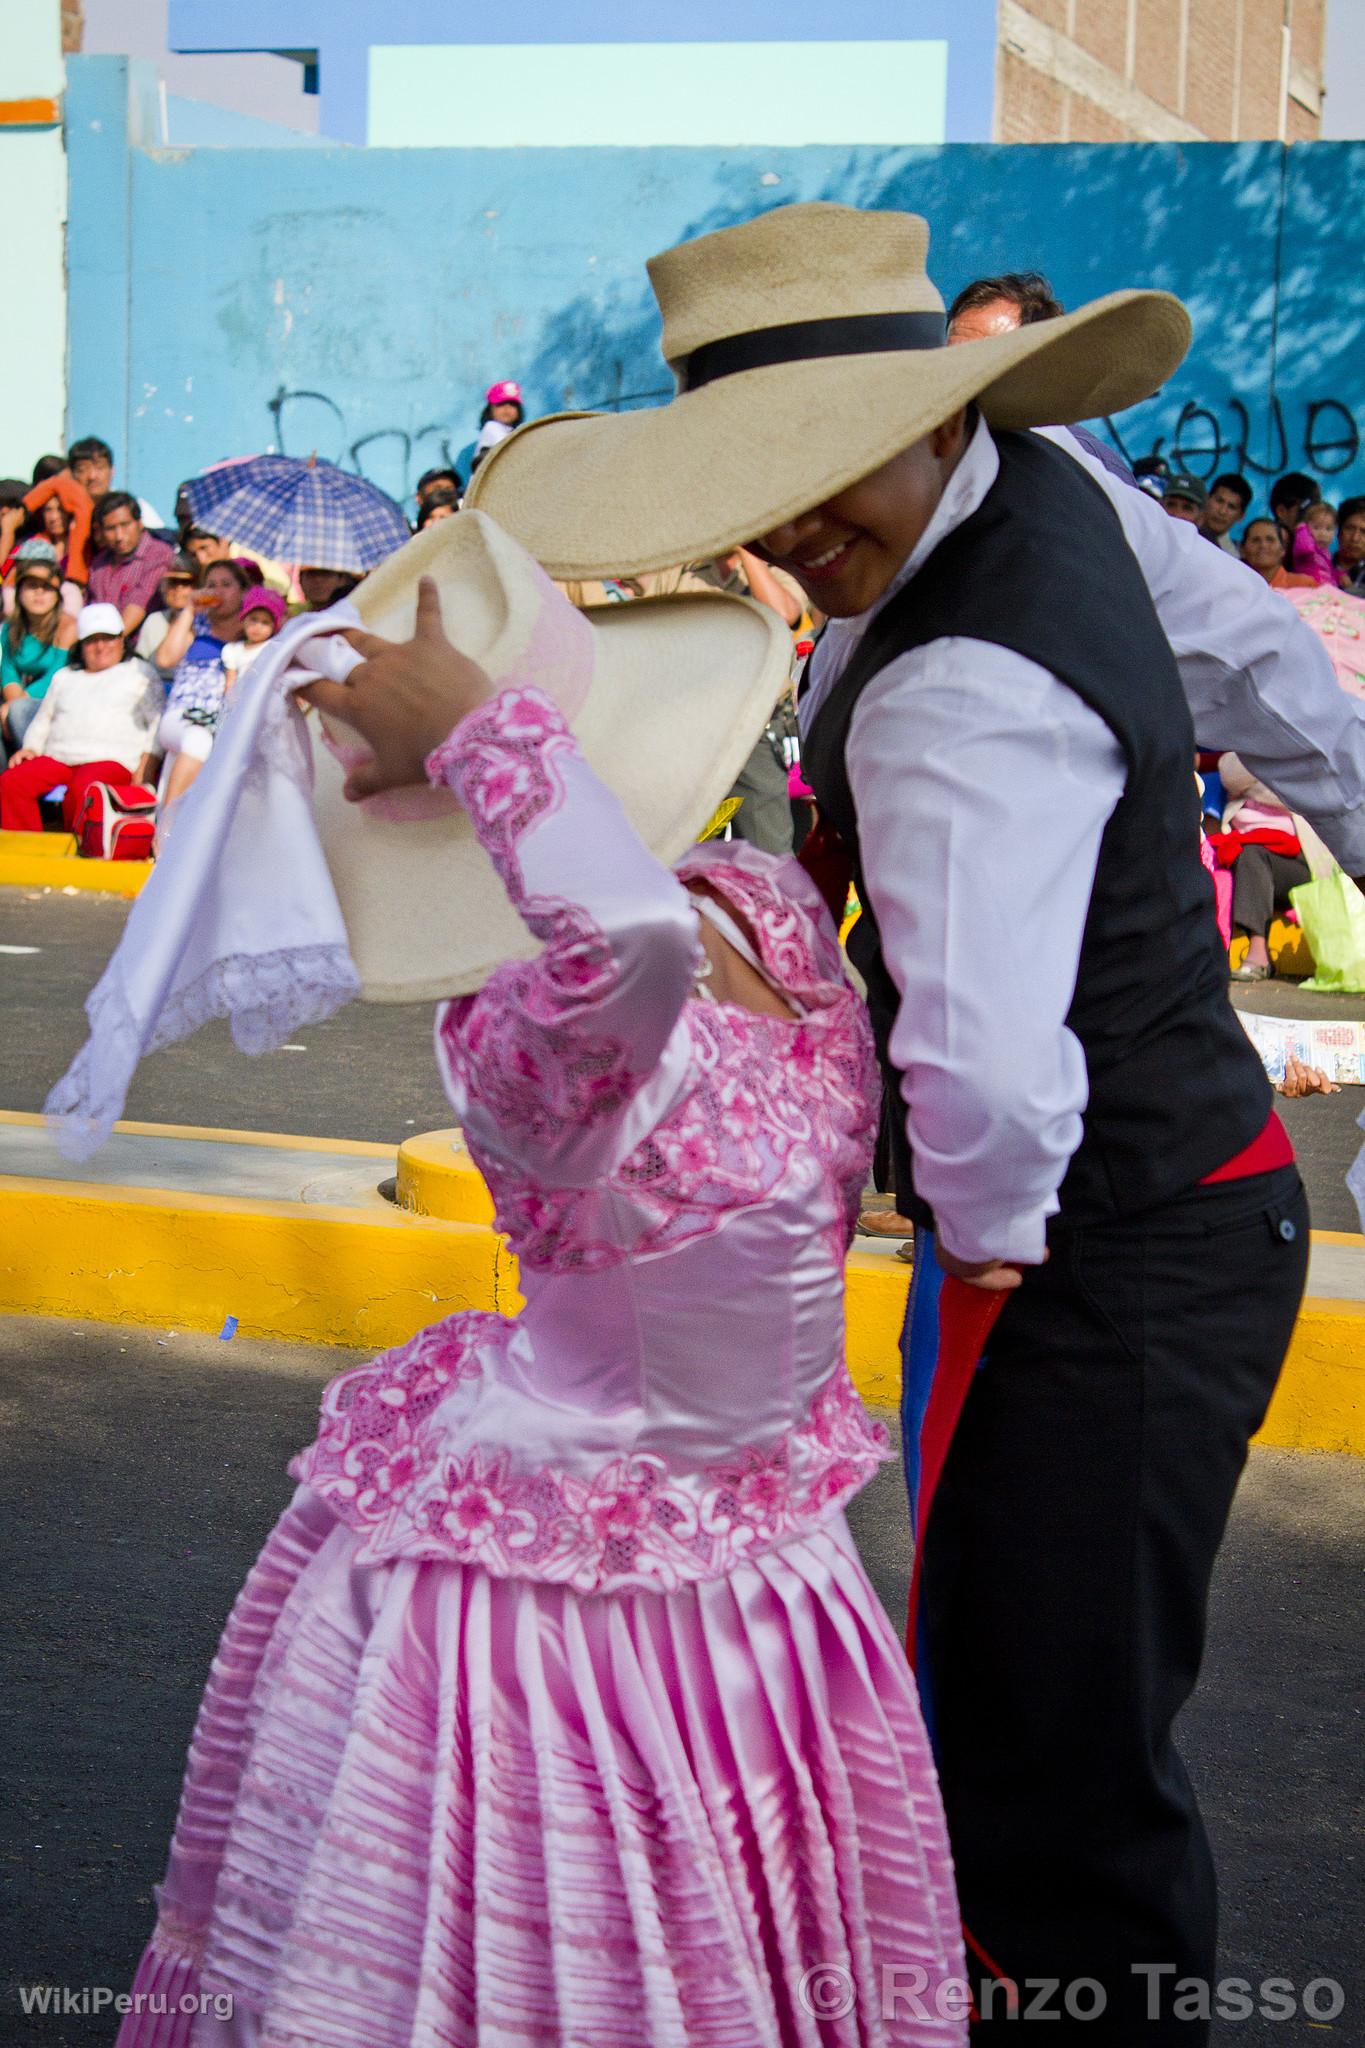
(403, 698)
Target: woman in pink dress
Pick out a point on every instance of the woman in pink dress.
(558, 1707)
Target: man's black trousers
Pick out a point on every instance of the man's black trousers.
(1066, 1575)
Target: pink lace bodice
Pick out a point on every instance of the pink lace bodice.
(678, 1179)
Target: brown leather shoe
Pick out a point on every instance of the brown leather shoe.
(885, 1223)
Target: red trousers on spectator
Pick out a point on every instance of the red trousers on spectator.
(21, 787)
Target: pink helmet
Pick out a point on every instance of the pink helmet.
(506, 393)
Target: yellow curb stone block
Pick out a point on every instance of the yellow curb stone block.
(370, 1278)
(1289, 954)
(48, 860)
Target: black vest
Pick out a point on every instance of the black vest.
(1042, 567)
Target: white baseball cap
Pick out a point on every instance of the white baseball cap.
(99, 618)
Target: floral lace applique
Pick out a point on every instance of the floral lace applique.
(502, 761)
(771, 1099)
(382, 1461)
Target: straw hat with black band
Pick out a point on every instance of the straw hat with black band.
(808, 347)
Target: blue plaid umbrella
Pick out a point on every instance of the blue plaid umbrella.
(308, 512)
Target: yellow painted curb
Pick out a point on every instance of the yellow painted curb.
(304, 1271)
(48, 860)
(370, 1278)
(437, 1177)
(275, 1141)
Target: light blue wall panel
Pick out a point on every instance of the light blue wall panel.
(357, 302)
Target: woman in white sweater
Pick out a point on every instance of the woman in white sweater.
(97, 723)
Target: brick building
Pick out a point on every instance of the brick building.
(1159, 70)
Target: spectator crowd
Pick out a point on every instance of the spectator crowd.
(122, 637)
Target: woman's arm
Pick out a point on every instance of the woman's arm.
(176, 641)
(75, 499)
(543, 1062)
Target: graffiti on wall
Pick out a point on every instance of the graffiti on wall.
(1204, 439)
(1207, 439)
(313, 423)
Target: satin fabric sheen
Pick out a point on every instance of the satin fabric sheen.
(558, 1707)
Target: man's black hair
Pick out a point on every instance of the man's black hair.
(88, 445)
(201, 533)
(117, 501)
(1029, 290)
(436, 476)
(1348, 509)
(1231, 481)
(12, 489)
(1293, 488)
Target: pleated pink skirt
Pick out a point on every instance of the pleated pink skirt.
(428, 1808)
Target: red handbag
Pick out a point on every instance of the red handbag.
(116, 823)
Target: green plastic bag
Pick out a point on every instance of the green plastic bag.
(1332, 913)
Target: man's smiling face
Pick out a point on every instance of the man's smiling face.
(846, 550)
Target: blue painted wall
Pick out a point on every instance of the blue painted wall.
(357, 302)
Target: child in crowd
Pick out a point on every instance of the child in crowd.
(502, 413)
(192, 655)
(96, 723)
(36, 642)
(263, 613)
(1313, 541)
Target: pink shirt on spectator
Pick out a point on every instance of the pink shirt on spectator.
(130, 579)
(1311, 558)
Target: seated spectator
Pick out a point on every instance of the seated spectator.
(441, 502)
(1290, 497)
(128, 567)
(1184, 497)
(1228, 499)
(322, 587)
(192, 654)
(97, 723)
(91, 462)
(37, 548)
(1313, 538)
(177, 592)
(1350, 555)
(435, 482)
(13, 519)
(63, 510)
(1260, 841)
(263, 613)
(204, 547)
(1263, 550)
(997, 305)
(35, 643)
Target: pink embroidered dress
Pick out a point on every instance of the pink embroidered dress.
(558, 1708)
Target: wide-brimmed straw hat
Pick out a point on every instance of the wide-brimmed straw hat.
(667, 699)
(808, 347)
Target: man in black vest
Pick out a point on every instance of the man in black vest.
(997, 726)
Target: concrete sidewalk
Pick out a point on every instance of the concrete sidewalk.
(144, 1471)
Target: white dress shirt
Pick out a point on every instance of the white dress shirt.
(983, 787)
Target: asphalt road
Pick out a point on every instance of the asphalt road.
(144, 1469)
(369, 1073)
